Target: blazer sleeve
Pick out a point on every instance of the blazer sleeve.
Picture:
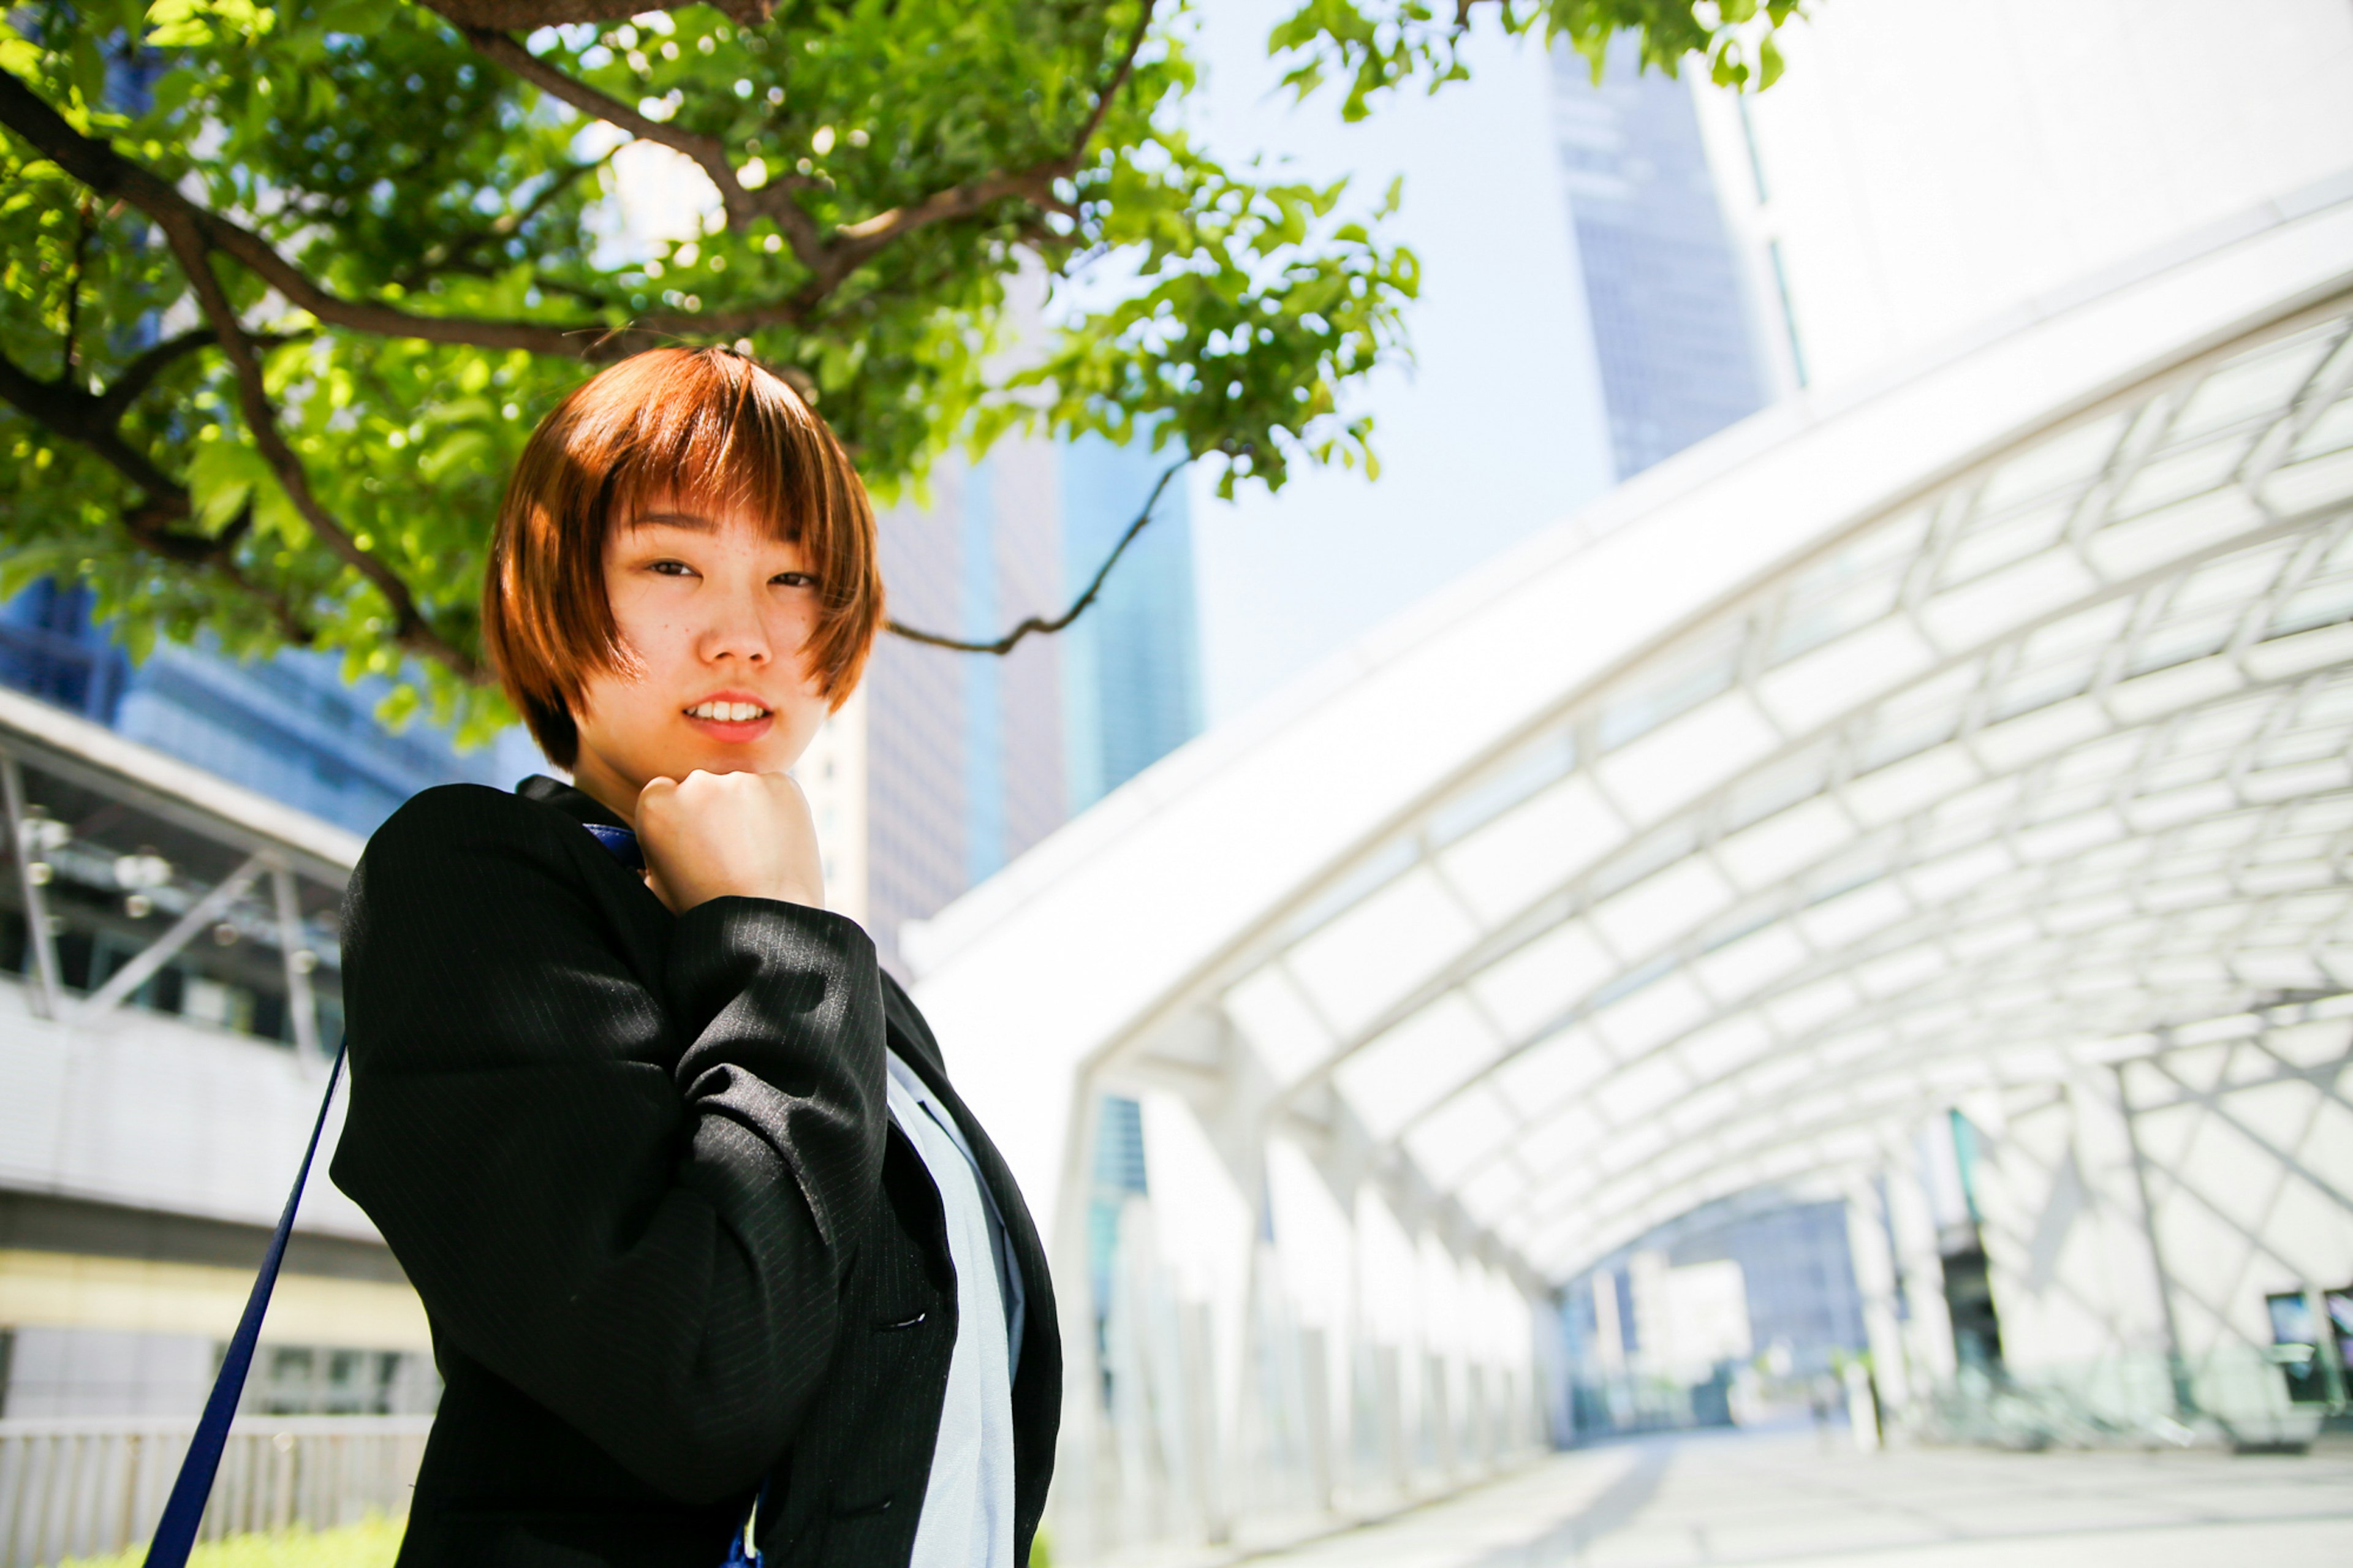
(637, 1205)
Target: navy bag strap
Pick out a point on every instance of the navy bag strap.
(176, 1532)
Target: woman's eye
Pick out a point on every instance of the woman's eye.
(673, 568)
(795, 579)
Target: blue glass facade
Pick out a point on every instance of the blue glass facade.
(288, 728)
(1672, 326)
(1131, 666)
(972, 758)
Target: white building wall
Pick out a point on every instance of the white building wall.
(1925, 171)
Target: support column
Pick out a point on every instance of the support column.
(1874, 1279)
(1920, 1272)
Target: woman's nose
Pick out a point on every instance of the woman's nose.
(736, 630)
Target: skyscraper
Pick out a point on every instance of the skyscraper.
(1131, 666)
(969, 759)
(1662, 286)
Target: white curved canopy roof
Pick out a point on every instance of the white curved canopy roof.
(1963, 730)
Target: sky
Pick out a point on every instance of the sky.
(1495, 430)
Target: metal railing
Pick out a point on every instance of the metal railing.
(85, 1486)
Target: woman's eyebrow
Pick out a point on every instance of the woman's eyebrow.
(692, 521)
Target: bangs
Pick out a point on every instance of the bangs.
(706, 430)
(712, 441)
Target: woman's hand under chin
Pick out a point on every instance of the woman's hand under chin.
(711, 835)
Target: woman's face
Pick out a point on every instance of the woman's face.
(717, 611)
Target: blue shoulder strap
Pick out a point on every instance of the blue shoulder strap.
(176, 1532)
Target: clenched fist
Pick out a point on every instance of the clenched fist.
(711, 835)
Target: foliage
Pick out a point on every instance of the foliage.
(1379, 45)
(284, 287)
(373, 1543)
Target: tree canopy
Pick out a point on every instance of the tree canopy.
(286, 285)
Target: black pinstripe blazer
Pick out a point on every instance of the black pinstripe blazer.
(640, 1170)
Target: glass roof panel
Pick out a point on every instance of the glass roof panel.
(2329, 599)
(1492, 1190)
(1988, 545)
(2308, 485)
(1778, 846)
(1675, 682)
(1808, 692)
(2333, 431)
(2231, 583)
(1540, 982)
(1900, 973)
(2014, 743)
(1883, 794)
(1934, 881)
(1808, 1007)
(1272, 1014)
(1741, 968)
(1964, 617)
(2255, 384)
(1673, 763)
(1405, 1070)
(1916, 719)
(1460, 1134)
(2161, 692)
(1651, 1015)
(1722, 1048)
(1642, 1089)
(2069, 836)
(1856, 584)
(1777, 786)
(2138, 545)
(2181, 472)
(1533, 848)
(2302, 651)
(1835, 922)
(1540, 1079)
(1538, 762)
(2069, 461)
(1675, 900)
(1371, 956)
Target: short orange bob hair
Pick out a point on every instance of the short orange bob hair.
(699, 427)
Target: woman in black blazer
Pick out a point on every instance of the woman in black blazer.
(618, 1081)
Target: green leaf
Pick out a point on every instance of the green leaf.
(221, 482)
(89, 70)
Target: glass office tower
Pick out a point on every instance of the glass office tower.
(1671, 323)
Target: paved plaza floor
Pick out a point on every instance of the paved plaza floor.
(1732, 1498)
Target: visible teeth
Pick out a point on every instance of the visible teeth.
(728, 712)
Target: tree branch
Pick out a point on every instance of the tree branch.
(410, 628)
(1038, 624)
(98, 166)
(1119, 75)
(73, 288)
(830, 258)
(773, 201)
(75, 415)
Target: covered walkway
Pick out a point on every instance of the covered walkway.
(1778, 1498)
(1972, 742)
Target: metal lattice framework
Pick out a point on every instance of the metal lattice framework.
(2056, 756)
(1964, 731)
